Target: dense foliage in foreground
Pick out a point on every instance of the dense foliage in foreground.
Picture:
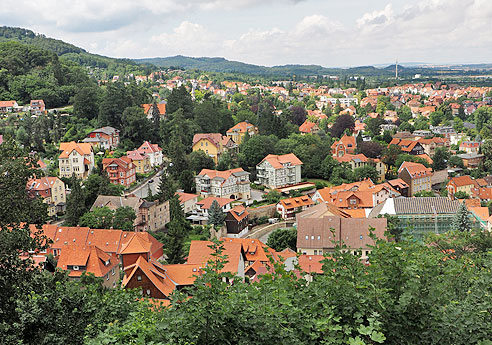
(410, 294)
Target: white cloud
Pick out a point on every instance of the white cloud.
(186, 39)
(425, 30)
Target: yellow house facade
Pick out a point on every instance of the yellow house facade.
(213, 144)
(141, 161)
(238, 132)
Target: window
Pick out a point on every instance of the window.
(148, 292)
(139, 278)
(75, 268)
(315, 252)
(312, 237)
(307, 237)
(319, 237)
(112, 271)
(107, 276)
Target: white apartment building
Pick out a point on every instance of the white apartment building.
(76, 158)
(231, 184)
(276, 171)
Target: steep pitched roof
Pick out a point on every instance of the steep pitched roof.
(254, 249)
(136, 156)
(42, 183)
(93, 258)
(81, 148)
(200, 254)
(184, 197)
(161, 107)
(123, 162)
(277, 161)
(242, 127)
(207, 202)
(149, 148)
(239, 212)
(214, 138)
(307, 127)
(311, 263)
(415, 170)
(347, 141)
(135, 245)
(152, 270)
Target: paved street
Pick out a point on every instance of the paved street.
(257, 194)
(142, 191)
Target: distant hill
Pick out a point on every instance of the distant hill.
(218, 64)
(66, 50)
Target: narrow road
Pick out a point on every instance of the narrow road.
(142, 190)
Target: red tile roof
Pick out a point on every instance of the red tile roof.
(277, 161)
(207, 202)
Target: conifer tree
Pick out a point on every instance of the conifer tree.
(166, 189)
(461, 219)
(177, 231)
(75, 202)
(215, 215)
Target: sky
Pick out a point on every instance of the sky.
(331, 33)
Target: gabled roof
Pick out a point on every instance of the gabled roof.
(81, 148)
(110, 241)
(311, 263)
(184, 197)
(42, 183)
(415, 170)
(200, 254)
(136, 156)
(207, 202)
(135, 245)
(161, 107)
(147, 147)
(254, 249)
(154, 271)
(242, 127)
(239, 212)
(214, 138)
(93, 258)
(123, 162)
(461, 181)
(398, 183)
(114, 202)
(277, 161)
(347, 141)
(307, 127)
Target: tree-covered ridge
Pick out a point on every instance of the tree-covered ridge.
(28, 72)
(221, 65)
(69, 51)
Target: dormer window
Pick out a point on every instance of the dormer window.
(75, 268)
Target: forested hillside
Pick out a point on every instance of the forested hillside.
(28, 72)
(70, 52)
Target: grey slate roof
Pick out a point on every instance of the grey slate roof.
(426, 205)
